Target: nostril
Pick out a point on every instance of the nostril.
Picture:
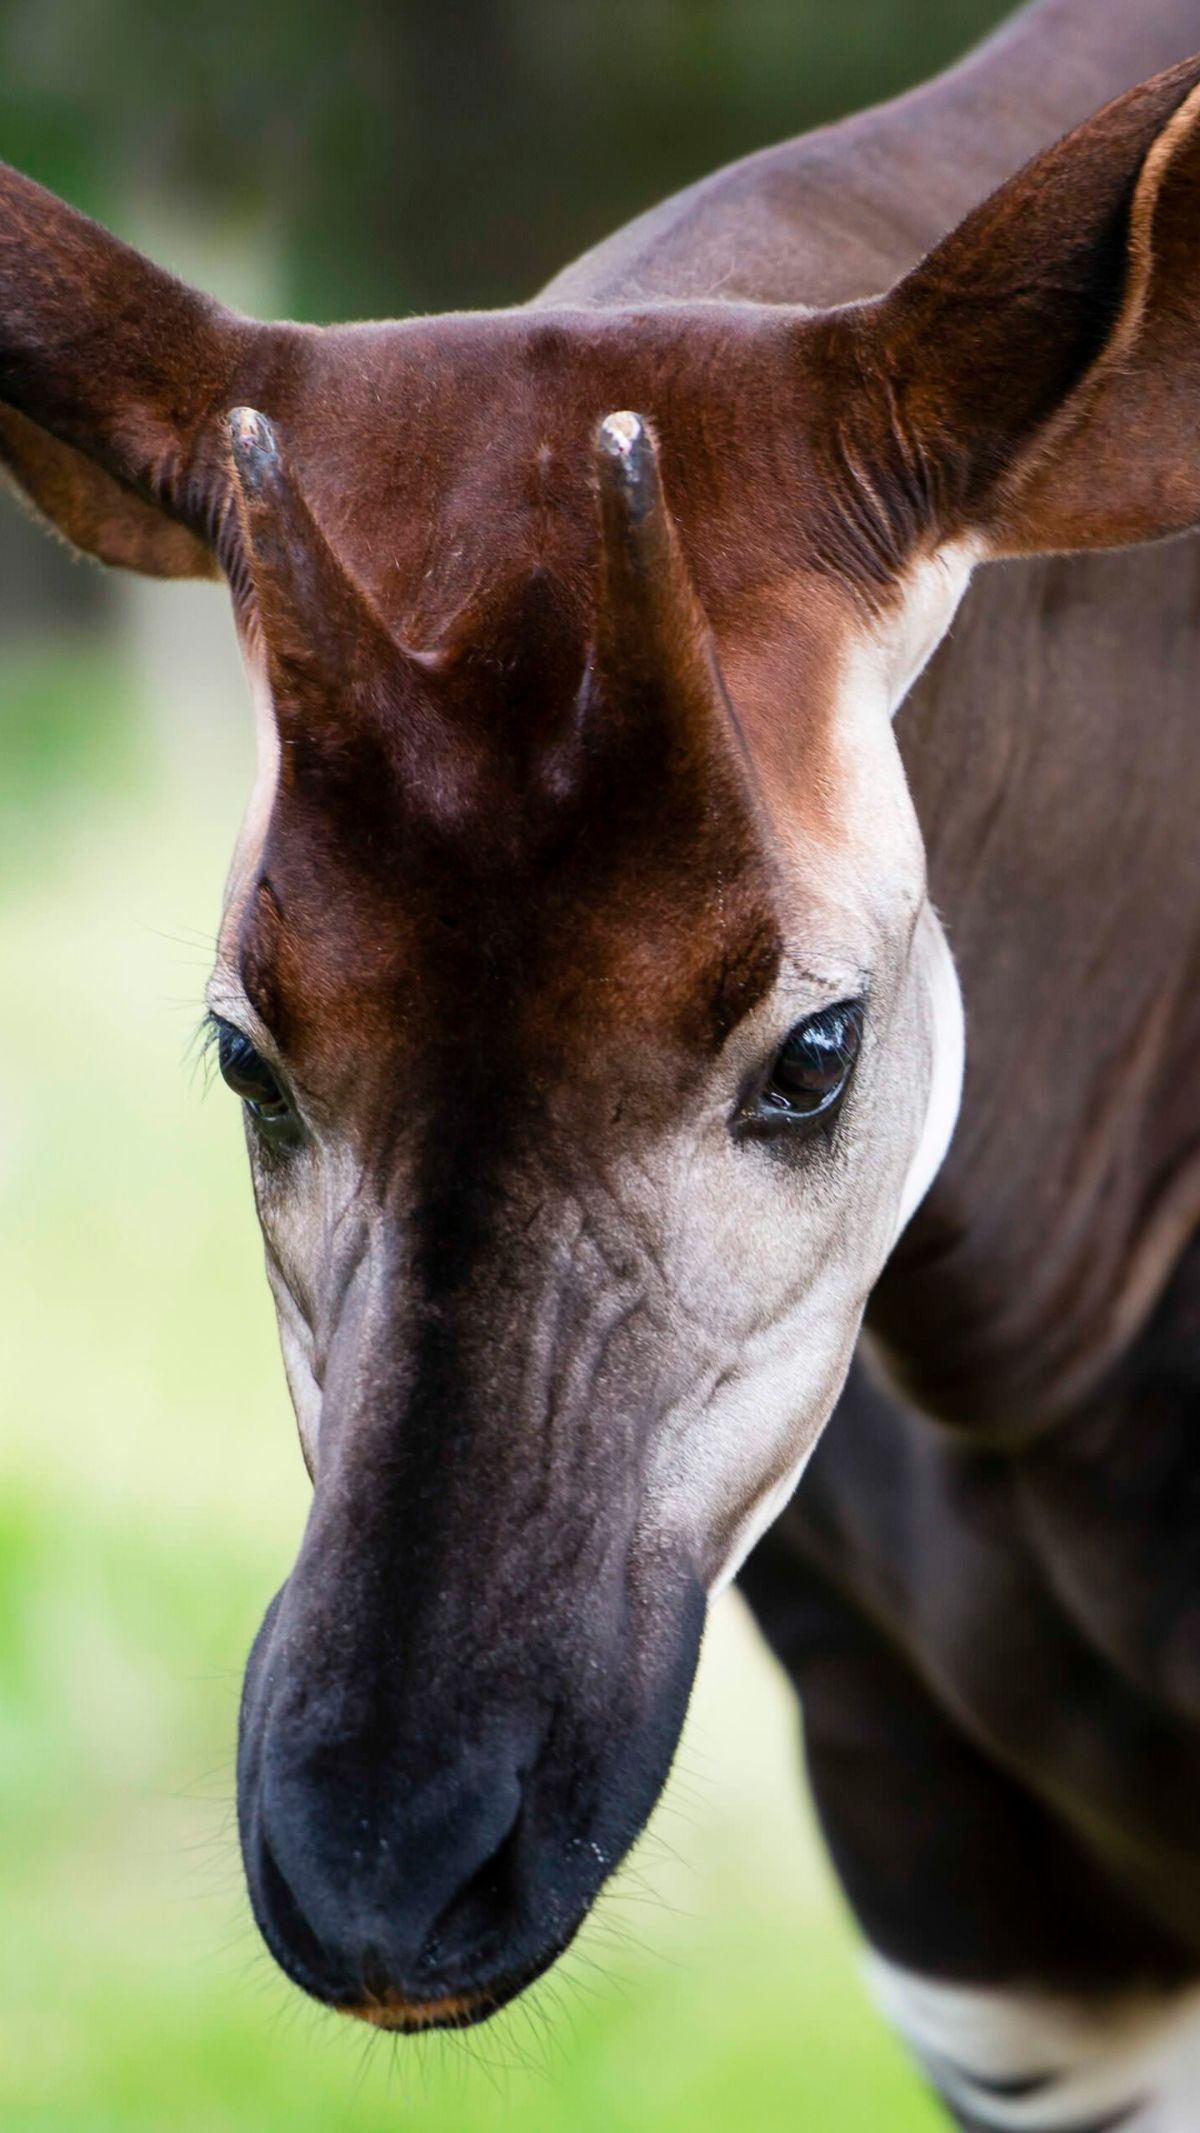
(400, 1900)
(287, 1932)
(484, 1906)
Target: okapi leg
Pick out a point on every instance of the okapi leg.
(1008, 1962)
(1131, 2063)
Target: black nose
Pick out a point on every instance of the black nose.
(422, 1897)
(424, 1831)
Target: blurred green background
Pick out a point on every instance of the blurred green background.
(369, 158)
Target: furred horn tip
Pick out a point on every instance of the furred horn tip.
(621, 433)
(629, 459)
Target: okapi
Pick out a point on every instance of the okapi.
(584, 981)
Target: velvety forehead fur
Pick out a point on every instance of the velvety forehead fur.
(506, 778)
(466, 988)
(579, 869)
(441, 455)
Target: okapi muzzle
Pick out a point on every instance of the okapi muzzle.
(462, 1705)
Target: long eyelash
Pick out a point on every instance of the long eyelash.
(202, 1047)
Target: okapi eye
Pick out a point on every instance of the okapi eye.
(246, 1072)
(812, 1067)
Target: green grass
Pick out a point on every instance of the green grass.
(150, 1497)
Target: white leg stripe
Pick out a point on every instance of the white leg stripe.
(1088, 2063)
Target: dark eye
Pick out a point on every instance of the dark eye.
(249, 1076)
(812, 1066)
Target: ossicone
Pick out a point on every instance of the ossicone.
(653, 651)
(319, 629)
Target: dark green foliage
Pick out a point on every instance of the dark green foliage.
(416, 156)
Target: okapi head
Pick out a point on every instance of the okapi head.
(594, 1033)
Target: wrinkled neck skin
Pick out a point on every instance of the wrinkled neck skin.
(1072, 1187)
(942, 1026)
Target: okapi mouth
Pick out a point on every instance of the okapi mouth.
(293, 1946)
(415, 1864)
(456, 2010)
(402, 2019)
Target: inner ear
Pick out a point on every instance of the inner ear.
(93, 511)
(1033, 381)
(112, 377)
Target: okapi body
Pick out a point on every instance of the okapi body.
(584, 975)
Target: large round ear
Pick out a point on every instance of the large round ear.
(1041, 367)
(113, 379)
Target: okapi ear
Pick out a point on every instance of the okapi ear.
(1042, 364)
(110, 374)
(92, 510)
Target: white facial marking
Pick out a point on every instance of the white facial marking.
(933, 593)
(895, 1147)
(736, 1457)
(266, 776)
(936, 589)
(936, 975)
(762, 1517)
(1139, 2053)
(947, 1038)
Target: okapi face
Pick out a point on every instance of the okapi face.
(594, 1033)
(586, 1066)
